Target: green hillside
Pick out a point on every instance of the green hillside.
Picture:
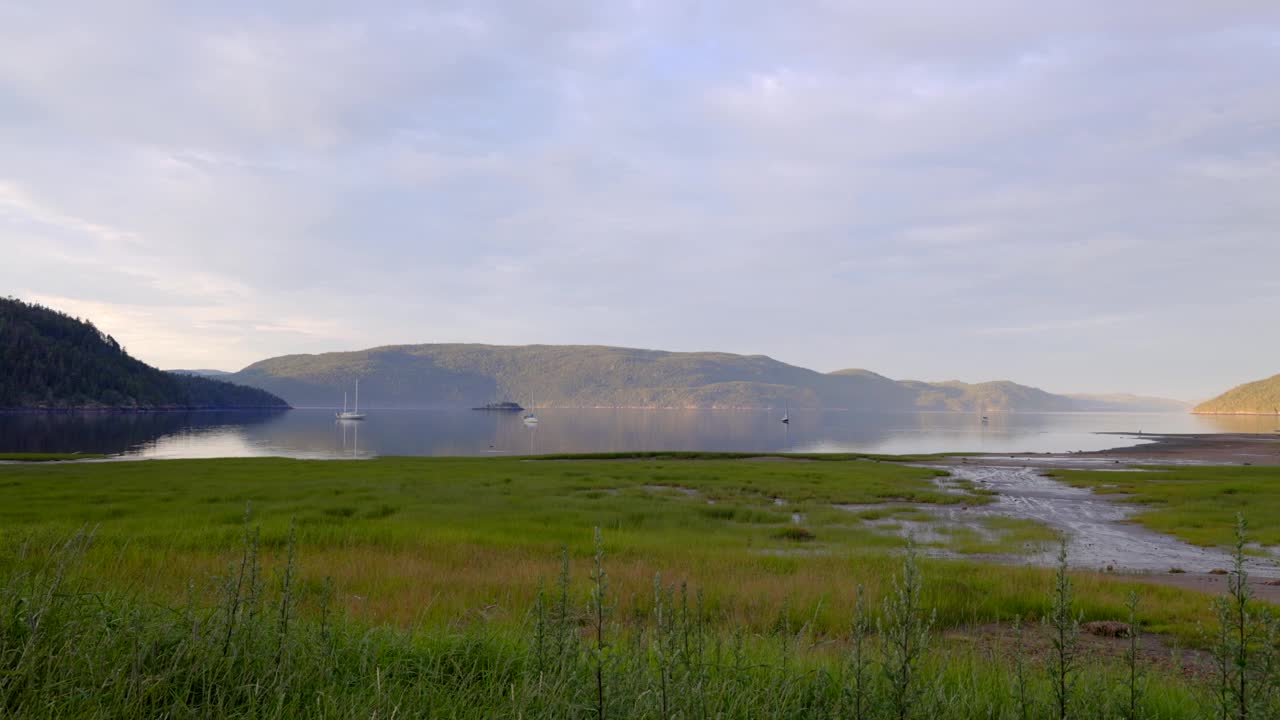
(1261, 397)
(598, 376)
(558, 375)
(987, 397)
(51, 360)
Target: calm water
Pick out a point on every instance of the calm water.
(315, 433)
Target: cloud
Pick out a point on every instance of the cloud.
(1048, 191)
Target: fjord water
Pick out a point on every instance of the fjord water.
(316, 434)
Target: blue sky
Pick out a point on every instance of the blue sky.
(1076, 195)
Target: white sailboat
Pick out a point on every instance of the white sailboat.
(786, 414)
(530, 418)
(354, 413)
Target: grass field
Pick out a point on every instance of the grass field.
(448, 541)
(417, 584)
(1197, 504)
(243, 651)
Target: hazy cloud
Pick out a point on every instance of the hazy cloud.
(1079, 195)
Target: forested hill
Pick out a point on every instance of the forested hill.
(558, 375)
(52, 360)
(202, 373)
(1261, 397)
(596, 376)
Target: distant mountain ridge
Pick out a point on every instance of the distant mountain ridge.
(1125, 402)
(49, 360)
(1261, 397)
(201, 373)
(467, 375)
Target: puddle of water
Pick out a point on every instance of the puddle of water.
(1090, 463)
(1098, 531)
(922, 532)
(794, 552)
(686, 491)
(1100, 535)
(859, 507)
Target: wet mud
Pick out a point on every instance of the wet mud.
(1099, 531)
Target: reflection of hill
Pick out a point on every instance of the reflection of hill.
(315, 433)
(1242, 423)
(386, 432)
(113, 432)
(607, 430)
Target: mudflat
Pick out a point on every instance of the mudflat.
(1162, 449)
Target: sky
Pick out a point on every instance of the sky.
(1077, 195)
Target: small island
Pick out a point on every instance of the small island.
(505, 406)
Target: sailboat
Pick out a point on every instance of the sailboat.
(354, 413)
(529, 418)
(786, 414)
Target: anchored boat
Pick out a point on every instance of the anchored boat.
(354, 413)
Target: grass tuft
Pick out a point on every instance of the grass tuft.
(246, 647)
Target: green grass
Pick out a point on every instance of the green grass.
(241, 646)
(390, 502)
(47, 457)
(1020, 531)
(440, 540)
(1197, 504)
(427, 587)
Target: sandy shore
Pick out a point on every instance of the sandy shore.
(1209, 448)
(1148, 449)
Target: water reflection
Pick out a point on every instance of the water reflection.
(115, 432)
(315, 433)
(350, 429)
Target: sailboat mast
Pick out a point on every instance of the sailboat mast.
(344, 402)
(357, 407)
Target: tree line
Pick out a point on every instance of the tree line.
(49, 359)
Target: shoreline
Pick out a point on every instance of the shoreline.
(1153, 449)
(1207, 448)
(134, 410)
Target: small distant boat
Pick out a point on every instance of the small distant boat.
(984, 419)
(500, 407)
(786, 415)
(530, 418)
(354, 413)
